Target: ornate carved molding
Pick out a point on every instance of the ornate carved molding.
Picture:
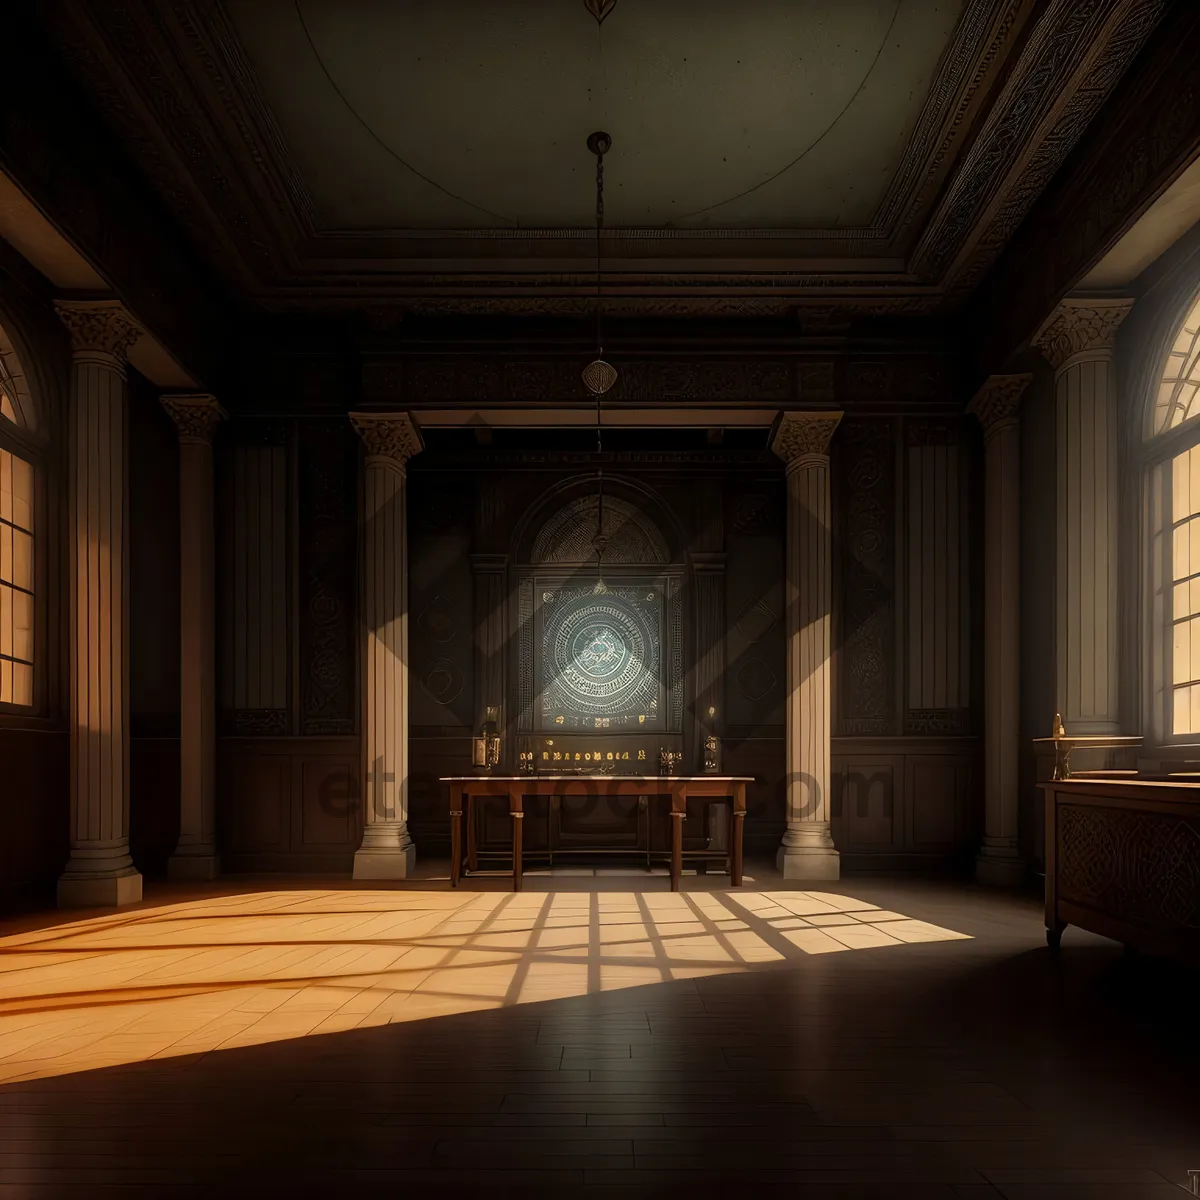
(98, 326)
(1077, 326)
(999, 400)
(1148, 133)
(804, 435)
(196, 417)
(1073, 57)
(214, 150)
(393, 437)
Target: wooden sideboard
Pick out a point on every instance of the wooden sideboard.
(1123, 861)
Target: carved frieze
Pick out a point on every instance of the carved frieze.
(1077, 326)
(462, 380)
(98, 326)
(1075, 52)
(195, 416)
(392, 437)
(1150, 132)
(804, 435)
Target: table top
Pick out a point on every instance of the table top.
(1099, 739)
(543, 777)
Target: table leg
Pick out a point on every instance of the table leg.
(455, 841)
(518, 823)
(472, 840)
(678, 816)
(737, 821)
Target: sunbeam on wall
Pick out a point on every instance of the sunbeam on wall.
(247, 969)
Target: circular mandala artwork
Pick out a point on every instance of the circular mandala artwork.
(600, 658)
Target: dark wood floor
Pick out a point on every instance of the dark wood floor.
(594, 1036)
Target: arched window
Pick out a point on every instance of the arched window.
(1180, 380)
(18, 568)
(1174, 511)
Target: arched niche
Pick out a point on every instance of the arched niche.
(560, 527)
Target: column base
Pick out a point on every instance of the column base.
(809, 862)
(999, 866)
(194, 867)
(385, 864)
(99, 891)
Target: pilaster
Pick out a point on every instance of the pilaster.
(997, 405)
(387, 850)
(802, 441)
(196, 417)
(100, 870)
(1078, 343)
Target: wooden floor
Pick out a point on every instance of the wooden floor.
(594, 1035)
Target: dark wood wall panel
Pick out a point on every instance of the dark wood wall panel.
(327, 554)
(153, 802)
(289, 804)
(34, 807)
(430, 758)
(441, 606)
(864, 478)
(938, 601)
(755, 675)
(254, 616)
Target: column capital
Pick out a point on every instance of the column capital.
(1080, 326)
(196, 416)
(101, 326)
(998, 401)
(804, 436)
(391, 437)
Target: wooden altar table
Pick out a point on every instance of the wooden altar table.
(677, 789)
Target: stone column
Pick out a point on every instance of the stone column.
(100, 871)
(195, 857)
(387, 850)
(802, 441)
(1078, 343)
(997, 404)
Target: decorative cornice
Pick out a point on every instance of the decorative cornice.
(1071, 60)
(1009, 101)
(803, 436)
(1149, 132)
(391, 437)
(998, 401)
(98, 326)
(1077, 326)
(196, 417)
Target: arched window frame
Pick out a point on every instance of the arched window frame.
(1170, 456)
(23, 433)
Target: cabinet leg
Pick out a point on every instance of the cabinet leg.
(1054, 934)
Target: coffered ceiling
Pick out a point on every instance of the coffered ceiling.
(873, 156)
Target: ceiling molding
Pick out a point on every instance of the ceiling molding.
(1148, 136)
(1015, 88)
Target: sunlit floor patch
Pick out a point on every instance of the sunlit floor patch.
(243, 970)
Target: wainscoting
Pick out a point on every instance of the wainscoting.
(898, 802)
(34, 815)
(289, 804)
